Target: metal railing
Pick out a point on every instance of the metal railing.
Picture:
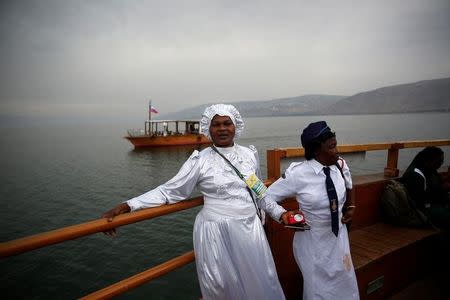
(274, 157)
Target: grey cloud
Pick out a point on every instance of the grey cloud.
(82, 55)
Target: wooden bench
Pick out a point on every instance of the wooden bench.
(386, 258)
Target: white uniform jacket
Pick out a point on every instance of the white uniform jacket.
(323, 258)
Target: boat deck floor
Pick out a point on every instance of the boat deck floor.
(374, 242)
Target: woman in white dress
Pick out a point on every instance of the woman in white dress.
(232, 254)
(323, 252)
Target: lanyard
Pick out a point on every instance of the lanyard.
(240, 176)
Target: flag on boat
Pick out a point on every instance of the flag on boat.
(153, 109)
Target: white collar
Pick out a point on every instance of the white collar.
(424, 178)
(226, 150)
(419, 172)
(318, 167)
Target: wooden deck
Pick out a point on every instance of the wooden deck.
(387, 258)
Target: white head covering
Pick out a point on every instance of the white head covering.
(221, 110)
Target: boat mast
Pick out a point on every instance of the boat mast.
(150, 110)
(150, 125)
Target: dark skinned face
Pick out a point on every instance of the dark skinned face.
(327, 155)
(222, 131)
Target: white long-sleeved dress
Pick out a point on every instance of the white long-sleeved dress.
(232, 254)
(323, 258)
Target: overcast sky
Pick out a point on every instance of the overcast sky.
(109, 57)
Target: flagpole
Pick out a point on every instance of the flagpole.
(150, 125)
(150, 110)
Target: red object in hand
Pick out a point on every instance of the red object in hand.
(298, 218)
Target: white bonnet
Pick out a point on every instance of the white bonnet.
(221, 110)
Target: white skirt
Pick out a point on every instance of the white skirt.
(233, 258)
(325, 263)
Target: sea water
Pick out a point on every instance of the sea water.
(58, 174)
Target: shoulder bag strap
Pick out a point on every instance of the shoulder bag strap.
(240, 176)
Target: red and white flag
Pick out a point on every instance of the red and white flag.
(153, 109)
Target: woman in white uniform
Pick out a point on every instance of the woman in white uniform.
(232, 254)
(323, 252)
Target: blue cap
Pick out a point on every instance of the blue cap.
(313, 131)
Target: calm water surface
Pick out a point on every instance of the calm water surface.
(59, 175)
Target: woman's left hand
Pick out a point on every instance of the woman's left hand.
(348, 216)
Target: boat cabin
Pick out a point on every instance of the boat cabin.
(162, 133)
(171, 127)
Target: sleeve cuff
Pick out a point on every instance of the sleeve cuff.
(277, 214)
(132, 204)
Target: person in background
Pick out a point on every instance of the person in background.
(429, 190)
(320, 186)
(232, 253)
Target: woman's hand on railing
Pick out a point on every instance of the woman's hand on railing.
(110, 214)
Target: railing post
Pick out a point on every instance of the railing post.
(274, 163)
(391, 169)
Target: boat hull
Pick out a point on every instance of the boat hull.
(170, 140)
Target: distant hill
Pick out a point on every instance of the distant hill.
(292, 106)
(422, 96)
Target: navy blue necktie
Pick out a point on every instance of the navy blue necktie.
(332, 196)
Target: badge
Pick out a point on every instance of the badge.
(256, 185)
(333, 206)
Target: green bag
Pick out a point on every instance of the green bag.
(397, 208)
